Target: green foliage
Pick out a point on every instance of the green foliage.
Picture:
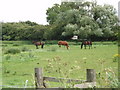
(110, 79)
(84, 19)
(22, 31)
(12, 51)
(6, 37)
(90, 19)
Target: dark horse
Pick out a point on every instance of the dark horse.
(38, 44)
(89, 43)
(64, 43)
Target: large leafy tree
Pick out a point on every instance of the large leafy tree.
(84, 19)
(106, 19)
(22, 31)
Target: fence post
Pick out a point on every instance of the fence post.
(91, 75)
(38, 78)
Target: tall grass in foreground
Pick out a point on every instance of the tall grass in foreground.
(108, 76)
(54, 65)
(59, 62)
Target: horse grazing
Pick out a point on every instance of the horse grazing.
(64, 43)
(89, 43)
(38, 44)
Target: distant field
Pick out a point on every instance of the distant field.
(72, 63)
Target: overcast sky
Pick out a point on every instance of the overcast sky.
(33, 10)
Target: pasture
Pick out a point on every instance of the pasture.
(57, 62)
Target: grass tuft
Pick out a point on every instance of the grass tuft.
(12, 51)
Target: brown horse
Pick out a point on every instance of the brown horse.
(38, 44)
(89, 43)
(64, 43)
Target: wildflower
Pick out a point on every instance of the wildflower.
(78, 67)
(116, 55)
(70, 70)
(65, 64)
(84, 58)
(49, 63)
(76, 62)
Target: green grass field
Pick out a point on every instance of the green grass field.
(57, 62)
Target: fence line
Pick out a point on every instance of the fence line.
(68, 80)
(39, 78)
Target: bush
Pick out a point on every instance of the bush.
(4, 45)
(12, 51)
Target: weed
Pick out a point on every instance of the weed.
(12, 51)
(54, 66)
(111, 78)
(31, 55)
(24, 49)
(115, 57)
(4, 45)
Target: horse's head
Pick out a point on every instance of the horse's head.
(67, 46)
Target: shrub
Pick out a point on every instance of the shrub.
(4, 45)
(12, 51)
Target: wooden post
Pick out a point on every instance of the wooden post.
(91, 75)
(38, 78)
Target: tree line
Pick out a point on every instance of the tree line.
(85, 19)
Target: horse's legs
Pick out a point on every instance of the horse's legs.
(85, 46)
(42, 46)
(91, 46)
(81, 46)
(36, 46)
